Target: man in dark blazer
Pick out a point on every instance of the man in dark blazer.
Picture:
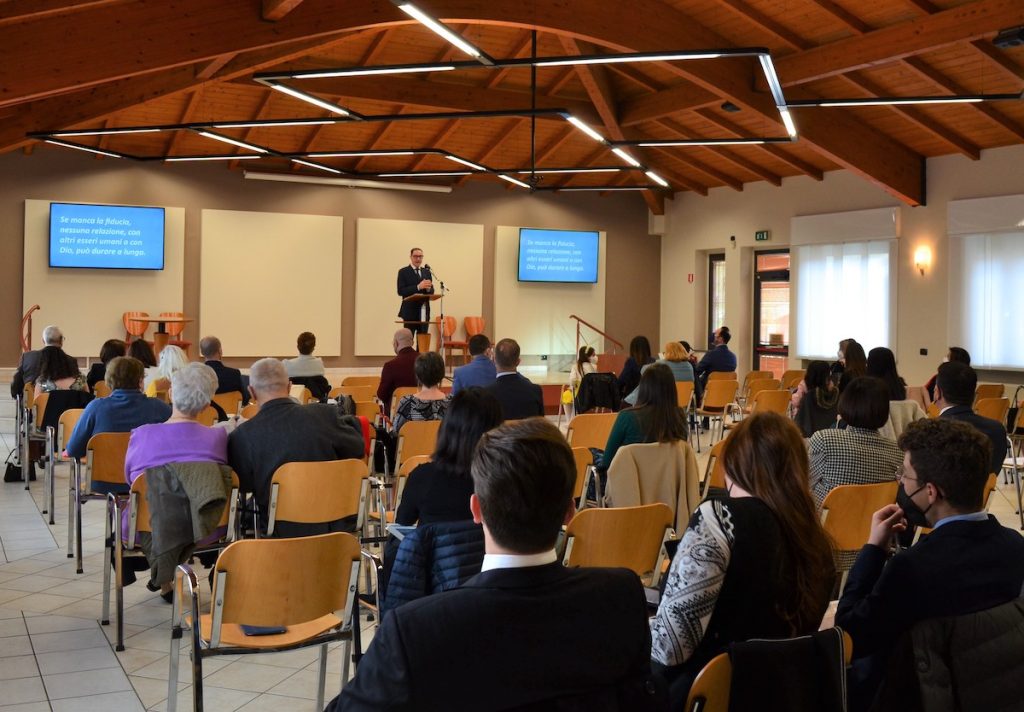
(968, 563)
(526, 632)
(954, 395)
(719, 358)
(519, 397)
(415, 279)
(28, 365)
(228, 379)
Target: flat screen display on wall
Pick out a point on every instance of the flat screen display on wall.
(106, 237)
(558, 255)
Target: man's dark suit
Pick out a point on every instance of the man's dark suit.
(719, 358)
(512, 639)
(407, 286)
(518, 397)
(992, 429)
(229, 379)
(28, 369)
(961, 567)
(399, 372)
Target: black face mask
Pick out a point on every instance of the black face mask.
(913, 514)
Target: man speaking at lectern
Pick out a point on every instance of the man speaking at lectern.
(415, 279)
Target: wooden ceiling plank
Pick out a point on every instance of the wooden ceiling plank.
(186, 116)
(274, 10)
(925, 7)
(962, 23)
(261, 113)
(737, 130)
(215, 66)
(727, 154)
(674, 100)
(440, 137)
(559, 81)
(377, 141)
(764, 22)
(844, 16)
(524, 44)
(18, 11)
(998, 59)
(555, 143)
(682, 157)
(506, 131)
(636, 77)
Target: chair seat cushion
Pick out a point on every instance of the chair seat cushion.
(232, 635)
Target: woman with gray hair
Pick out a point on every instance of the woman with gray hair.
(181, 438)
(172, 359)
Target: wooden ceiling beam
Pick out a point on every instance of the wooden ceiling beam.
(505, 132)
(524, 44)
(554, 144)
(726, 153)
(781, 32)
(844, 16)
(215, 66)
(962, 23)
(682, 157)
(186, 115)
(674, 100)
(998, 59)
(261, 113)
(737, 130)
(18, 11)
(446, 130)
(274, 10)
(636, 77)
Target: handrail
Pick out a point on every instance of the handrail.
(25, 330)
(579, 321)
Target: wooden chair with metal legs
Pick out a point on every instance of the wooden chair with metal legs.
(298, 586)
(357, 393)
(318, 492)
(791, 379)
(231, 402)
(846, 514)
(207, 416)
(56, 442)
(104, 466)
(988, 390)
(590, 430)
(368, 409)
(714, 472)
(372, 381)
(723, 376)
(684, 394)
(994, 408)
(302, 394)
(35, 409)
(398, 395)
(417, 437)
(118, 547)
(250, 410)
(101, 390)
(718, 394)
(626, 537)
(986, 498)
(384, 512)
(750, 378)
(585, 474)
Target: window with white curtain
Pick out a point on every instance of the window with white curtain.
(843, 290)
(986, 289)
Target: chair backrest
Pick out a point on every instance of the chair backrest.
(995, 408)
(133, 327)
(626, 537)
(988, 390)
(173, 329)
(300, 393)
(138, 509)
(990, 486)
(449, 326)
(411, 463)
(590, 430)
(66, 426)
(684, 393)
(722, 376)
(250, 410)
(163, 395)
(368, 409)
(417, 437)
(284, 582)
(399, 394)
(474, 325)
(28, 396)
(318, 492)
(372, 381)
(584, 459)
(39, 409)
(101, 390)
(791, 379)
(719, 393)
(847, 509)
(754, 376)
(231, 401)
(356, 393)
(207, 416)
(104, 458)
(761, 384)
(714, 473)
(933, 411)
(771, 401)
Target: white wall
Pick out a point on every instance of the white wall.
(698, 226)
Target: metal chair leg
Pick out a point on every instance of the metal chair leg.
(72, 480)
(78, 523)
(109, 555)
(321, 677)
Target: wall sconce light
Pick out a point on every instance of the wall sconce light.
(923, 258)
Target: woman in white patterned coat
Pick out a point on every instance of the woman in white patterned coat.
(753, 564)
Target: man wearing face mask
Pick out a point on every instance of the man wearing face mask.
(968, 563)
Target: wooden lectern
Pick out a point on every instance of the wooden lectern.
(422, 339)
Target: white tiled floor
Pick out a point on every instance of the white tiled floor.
(54, 654)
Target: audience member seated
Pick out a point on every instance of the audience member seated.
(172, 359)
(855, 364)
(519, 397)
(526, 632)
(143, 351)
(478, 372)
(111, 349)
(754, 563)
(639, 356)
(719, 358)
(284, 431)
(430, 402)
(229, 379)
(677, 360)
(181, 438)
(815, 402)
(856, 454)
(882, 364)
(399, 372)
(968, 563)
(58, 372)
(656, 418)
(837, 368)
(305, 364)
(955, 353)
(125, 409)
(955, 386)
(28, 366)
(586, 362)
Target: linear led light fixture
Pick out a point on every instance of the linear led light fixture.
(104, 132)
(233, 141)
(80, 147)
(514, 181)
(775, 86)
(345, 182)
(622, 58)
(261, 123)
(626, 157)
(360, 154)
(440, 29)
(463, 161)
(599, 188)
(657, 179)
(318, 166)
(366, 71)
(173, 159)
(610, 169)
(429, 173)
(670, 142)
(907, 100)
(308, 98)
(584, 128)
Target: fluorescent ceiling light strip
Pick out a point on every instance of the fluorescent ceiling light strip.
(357, 154)
(657, 179)
(787, 119)
(104, 132)
(272, 123)
(346, 182)
(603, 188)
(83, 148)
(209, 158)
(899, 102)
(464, 162)
(416, 175)
(309, 98)
(315, 165)
(414, 12)
(510, 179)
(626, 157)
(233, 142)
(571, 170)
(701, 142)
(585, 129)
(366, 71)
(773, 79)
(623, 58)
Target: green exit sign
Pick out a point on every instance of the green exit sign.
(762, 235)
